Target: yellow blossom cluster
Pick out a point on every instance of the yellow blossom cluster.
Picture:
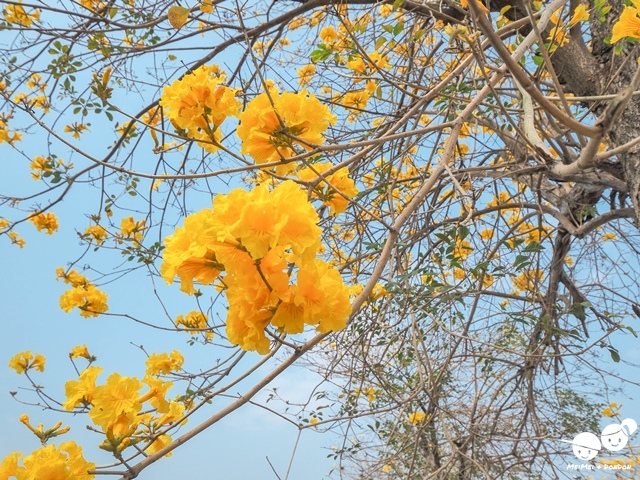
(278, 126)
(528, 281)
(417, 417)
(97, 233)
(198, 103)
(369, 392)
(42, 167)
(84, 295)
(14, 13)
(334, 190)
(80, 351)
(45, 221)
(23, 361)
(132, 229)
(259, 239)
(60, 463)
(194, 323)
(117, 405)
(76, 129)
(164, 363)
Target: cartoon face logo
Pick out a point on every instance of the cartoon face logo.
(586, 446)
(615, 436)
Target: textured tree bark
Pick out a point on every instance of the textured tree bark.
(593, 71)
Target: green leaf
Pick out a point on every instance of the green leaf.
(380, 42)
(615, 356)
(398, 28)
(533, 247)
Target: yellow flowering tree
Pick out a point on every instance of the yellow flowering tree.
(431, 207)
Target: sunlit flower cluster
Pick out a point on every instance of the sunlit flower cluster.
(23, 361)
(334, 190)
(164, 363)
(60, 463)
(117, 405)
(131, 229)
(194, 323)
(259, 239)
(16, 14)
(198, 103)
(46, 221)
(278, 126)
(97, 233)
(84, 295)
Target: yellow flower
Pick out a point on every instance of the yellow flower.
(305, 74)
(132, 229)
(462, 249)
(194, 322)
(528, 280)
(15, 239)
(486, 234)
(257, 239)
(159, 443)
(39, 166)
(465, 4)
(163, 363)
(80, 392)
(97, 233)
(327, 190)
(385, 10)
(609, 236)
(357, 99)
(580, 14)
(76, 129)
(23, 361)
(45, 221)
(628, 25)
(91, 301)
(417, 417)
(329, 35)
(198, 104)
(206, 6)
(80, 351)
(357, 64)
(189, 253)
(119, 396)
(50, 462)
(293, 123)
(313, 421)
(15, 13)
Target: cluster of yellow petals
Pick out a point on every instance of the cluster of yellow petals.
(259, 239)
(23, 361)
(132, 229)
(628, 25)
(334, 189)
(417, 417)
(278, 126)
(164, 363)
(117, 405)
(86, 296)
(97, 233)
(198, 103)
(195, 323)
(80, 351)
(45, 221)
(16, 14)
(50, 462)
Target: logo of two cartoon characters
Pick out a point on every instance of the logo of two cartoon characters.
(614, 437)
